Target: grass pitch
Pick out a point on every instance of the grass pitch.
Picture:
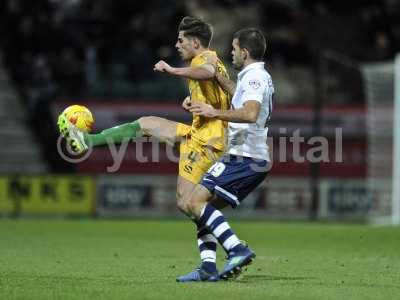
(50, 259)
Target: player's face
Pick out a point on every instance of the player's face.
(238, 55)
(185, 47)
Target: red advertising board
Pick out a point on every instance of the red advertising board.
(292, 143)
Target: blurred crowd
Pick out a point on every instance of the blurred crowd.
(106, 48)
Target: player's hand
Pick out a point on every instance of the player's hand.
(186, 104)
(162, 66)
(203, 109)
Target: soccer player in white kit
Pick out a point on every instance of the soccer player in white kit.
(245, 163)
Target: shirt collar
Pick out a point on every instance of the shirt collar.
(255, 65)
(204, 52)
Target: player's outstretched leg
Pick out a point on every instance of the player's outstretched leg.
(238, 254)
(162, 129)
(80, 141)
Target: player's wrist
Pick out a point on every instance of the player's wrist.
(216, 113)
(172, 70)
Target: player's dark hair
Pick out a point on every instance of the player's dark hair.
(253, 40)
(197, 28)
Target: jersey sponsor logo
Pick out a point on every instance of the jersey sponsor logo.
(255, 84)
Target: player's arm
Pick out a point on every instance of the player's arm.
(204, 72)
(227, 85)
(246, 114)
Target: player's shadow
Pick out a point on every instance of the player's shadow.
(252, 278)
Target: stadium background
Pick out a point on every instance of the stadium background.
(101, 54)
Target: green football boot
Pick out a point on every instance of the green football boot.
(74, 137)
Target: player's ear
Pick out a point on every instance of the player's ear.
(245, 53)
(196, 43)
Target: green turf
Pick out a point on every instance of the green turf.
(140, 259)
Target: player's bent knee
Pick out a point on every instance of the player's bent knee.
(195, 205)
(181, 203)
(147, 124)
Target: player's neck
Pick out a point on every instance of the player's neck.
(200, 50)
(249, 61)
